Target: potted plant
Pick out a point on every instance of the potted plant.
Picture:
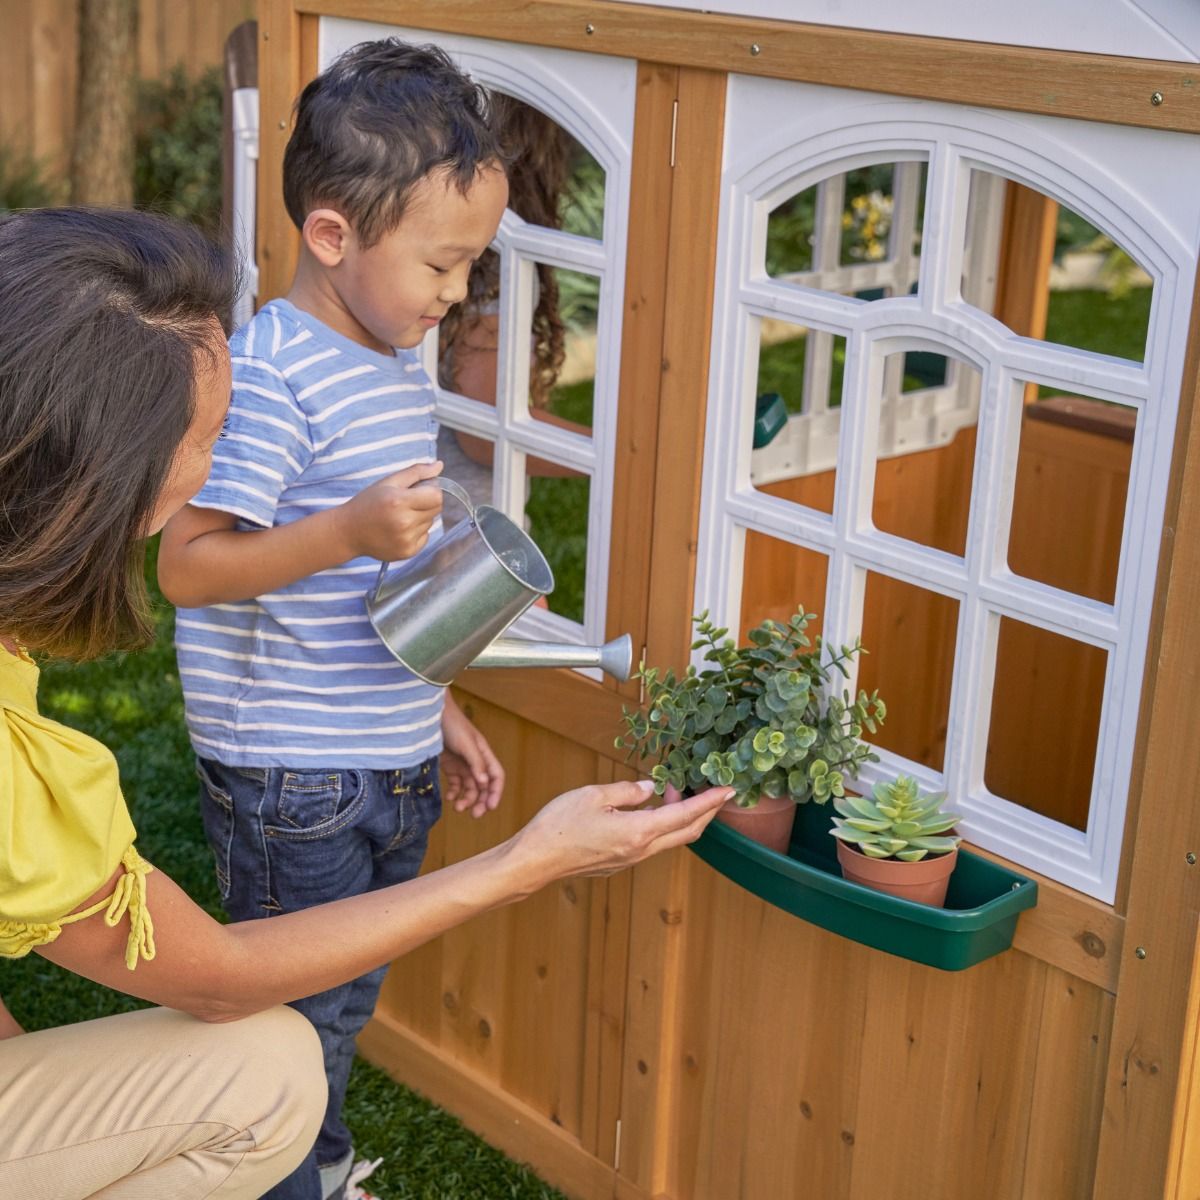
(898, 841)
(762, 718)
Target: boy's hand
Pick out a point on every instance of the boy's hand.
(391, 519)
(473, 775)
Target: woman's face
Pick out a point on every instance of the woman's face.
(193, 457)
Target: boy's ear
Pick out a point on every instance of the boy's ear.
(326, 233)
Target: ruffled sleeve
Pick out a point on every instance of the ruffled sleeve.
(64, 831)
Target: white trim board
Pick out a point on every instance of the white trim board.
(1161, 29)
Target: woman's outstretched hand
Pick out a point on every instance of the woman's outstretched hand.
(602, 828)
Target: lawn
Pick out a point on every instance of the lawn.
(133, 704)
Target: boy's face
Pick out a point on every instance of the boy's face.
(397, 290)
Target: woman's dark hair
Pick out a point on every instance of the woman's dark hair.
(102, 316)
(371, 126)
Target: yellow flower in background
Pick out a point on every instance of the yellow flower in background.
(867, 221)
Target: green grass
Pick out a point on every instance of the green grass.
(133, 704)
(558, 511)
(1101, 323)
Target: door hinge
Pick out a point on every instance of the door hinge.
(674, 126)
(617, 1147)
(641, 679)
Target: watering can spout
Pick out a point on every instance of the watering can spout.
(615, 658)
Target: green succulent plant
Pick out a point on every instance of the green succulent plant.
(762, 718)
(897, 822)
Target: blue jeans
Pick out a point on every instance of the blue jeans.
(289, 839)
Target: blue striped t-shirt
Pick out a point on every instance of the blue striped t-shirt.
(298, 678)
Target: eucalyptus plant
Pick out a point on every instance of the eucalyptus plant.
(896, 822)
(762, 718)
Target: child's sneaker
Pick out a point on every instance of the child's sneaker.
(358, 1173)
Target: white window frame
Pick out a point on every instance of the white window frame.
(1139, 186)
(924, 418)
(593, 98)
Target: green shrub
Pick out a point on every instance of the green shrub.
(177, 151)
(22, 182)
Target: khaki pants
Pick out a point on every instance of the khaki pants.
(155, 1105)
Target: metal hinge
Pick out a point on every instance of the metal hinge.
(674, 126)
(617, 1147)
(641, 680)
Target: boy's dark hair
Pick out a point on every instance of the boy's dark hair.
(371, 126)
(102, 317)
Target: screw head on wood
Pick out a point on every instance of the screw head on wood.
(1140, 952)
(589, 29)
(1190, 859)
(1156, 98)
(755, 48)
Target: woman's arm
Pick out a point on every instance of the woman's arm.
(223, 972)
(8, 1023)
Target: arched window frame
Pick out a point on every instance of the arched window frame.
(828, 131)
(592, 97)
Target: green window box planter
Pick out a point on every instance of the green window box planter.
(979, 920)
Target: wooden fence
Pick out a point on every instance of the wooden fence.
(39, 63)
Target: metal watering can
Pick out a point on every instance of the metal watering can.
(444, 608)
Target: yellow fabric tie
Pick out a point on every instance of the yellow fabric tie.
(129, 896)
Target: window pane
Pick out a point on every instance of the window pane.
(910, 635)
(795, 413)
(1048, 273)
(562, 372)
(556, 514)
(1074, 460)
(778, 578)
(923, 474)
(857, 233)
(1045, 721)
(553, 180)
(467, 460)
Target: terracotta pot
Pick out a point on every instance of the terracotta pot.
(924, 881)
(769, 822)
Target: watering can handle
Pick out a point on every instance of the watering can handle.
(454, 489)
(447, 485)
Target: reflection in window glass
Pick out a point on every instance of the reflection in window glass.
(556, 513)
(777, 578)
(581, 206)
(555, 183)
(926, 457)
(856, 233)
(569, 372)
(1073, 461)
(553, 179)
(1055, 276)
(910, 635)
(1041, 749)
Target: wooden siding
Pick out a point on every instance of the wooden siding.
(679, 1020)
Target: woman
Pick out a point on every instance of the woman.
(114, 381)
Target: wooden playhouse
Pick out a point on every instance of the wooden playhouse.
(827, 354)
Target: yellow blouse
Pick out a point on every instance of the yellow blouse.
(64, 827)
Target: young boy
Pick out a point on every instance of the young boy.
(318, 753)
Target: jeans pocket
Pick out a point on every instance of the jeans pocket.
(315, 804)
(418, 805)
(216, 810)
